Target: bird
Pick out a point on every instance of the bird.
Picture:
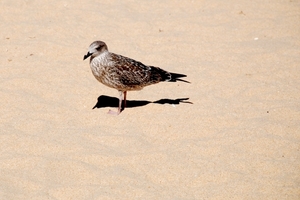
(123, 73)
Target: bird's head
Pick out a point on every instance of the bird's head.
(95, 49)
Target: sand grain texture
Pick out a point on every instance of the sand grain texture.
(238, 140)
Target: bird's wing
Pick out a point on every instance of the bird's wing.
(132, 72)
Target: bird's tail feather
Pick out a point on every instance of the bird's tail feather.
(168, 76)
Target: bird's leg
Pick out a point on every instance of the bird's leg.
(120, 108)
(120, 102)
(124, 100)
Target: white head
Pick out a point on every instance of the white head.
(95, 49)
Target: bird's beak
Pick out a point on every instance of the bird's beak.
(87, 55)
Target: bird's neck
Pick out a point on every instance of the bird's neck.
(99, 57)
(102, 59)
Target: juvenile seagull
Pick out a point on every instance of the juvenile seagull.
(124, 74)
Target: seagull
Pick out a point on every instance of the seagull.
(123, 73)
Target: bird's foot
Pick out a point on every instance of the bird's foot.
(111, 112)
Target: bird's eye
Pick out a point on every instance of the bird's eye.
(99, 48)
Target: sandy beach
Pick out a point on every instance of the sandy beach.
(233, 133)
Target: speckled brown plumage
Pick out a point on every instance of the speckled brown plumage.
(124, 74)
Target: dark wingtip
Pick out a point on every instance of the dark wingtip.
(177, 77)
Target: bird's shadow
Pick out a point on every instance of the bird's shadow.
(107, 101)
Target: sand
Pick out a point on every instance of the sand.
(240, 138)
